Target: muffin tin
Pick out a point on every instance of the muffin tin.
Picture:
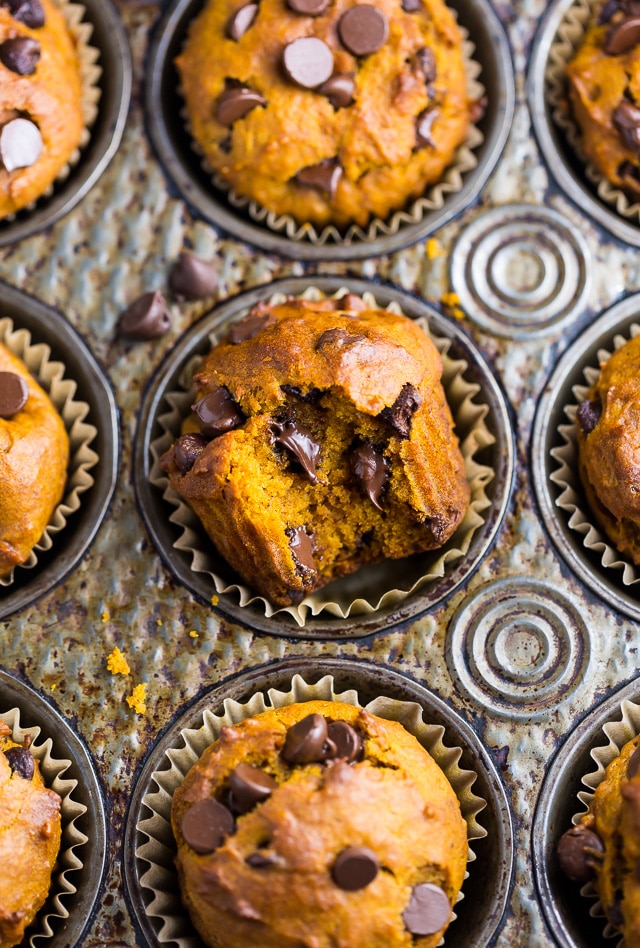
(525, 648)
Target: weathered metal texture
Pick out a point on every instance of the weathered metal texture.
(523, 625)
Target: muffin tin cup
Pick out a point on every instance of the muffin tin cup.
(106, 74)
(556, 480)
(66, 767)
(575, 919)
(163, 108)
(82, 395)
(149, 846)
(376, 591)
(560, 32)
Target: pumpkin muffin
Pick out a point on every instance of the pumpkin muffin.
(34, 454)
(318, 823)
(330, 111)
(41, 119)
(608, 436)
(320, 441)
(30, 833)
(604, 92)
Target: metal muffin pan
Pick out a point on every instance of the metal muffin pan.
(109, 38)
(488, 887)
(35, 710)
(163, 106)
(605, 582)
(156, 511)
(48, 326)
(565, 910)
(561, 160)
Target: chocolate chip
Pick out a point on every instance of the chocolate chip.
(348, 742)
(241, 21)
(363, 29)
(355, 868)
(427, 62)
(608, 9)
(351, 302)
(424, 124)
(623, 36)
(628, 170)
(311, 397)
(402, 411)
(262, 860)
(236, 102)
(308, 61)
(626, 118)
(307, 741)
(477, 109)
(324, 176)
(339, 89)
(20, 144)
(301, 545)
(29, 12)
(21, 762)
(411, 6)
(217, 412)
(578, 851)
(14, 393)
(589, 414)
(337, 339)
(148, 317)
(371, 471)
(299, 441)
(206, 825)
(226, 145)
(249, 785)
(249, 327)
(308, 7)
(20, 54)
(192, 278)
(428, 910)
(187, 450)
(633, 766)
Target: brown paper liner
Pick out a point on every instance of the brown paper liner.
(52, 770)
(61, 391)
(158, 850)
(618, 733)
(566, 476)
(387, 576)
(433, 199)
(565, 44)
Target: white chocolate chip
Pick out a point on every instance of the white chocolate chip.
(20, 144)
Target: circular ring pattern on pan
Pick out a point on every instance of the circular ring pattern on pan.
(48, 326)
(550, 417)
(109, 38)
(485, 891)
(34, 710)
(521, 271)
(517, 646)
(163, 107)
(565, 910)
(156, 511)
(560, 158)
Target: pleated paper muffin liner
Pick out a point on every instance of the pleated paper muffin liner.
(618, 734)
(90, 74)
(69, 858)
(567, 40)
(433, 199)
(566, 476)
(373, 587)
(159, 849)
(61, 391)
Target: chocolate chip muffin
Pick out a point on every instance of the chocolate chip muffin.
(604, 92)
(318, 824)
(605, 846)
(330, 111)
(41, 120)
(320, 441)
(608, 436)
(30, 832)
(34, 453)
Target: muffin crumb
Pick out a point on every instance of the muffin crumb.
(137, 700)
(117, 663)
